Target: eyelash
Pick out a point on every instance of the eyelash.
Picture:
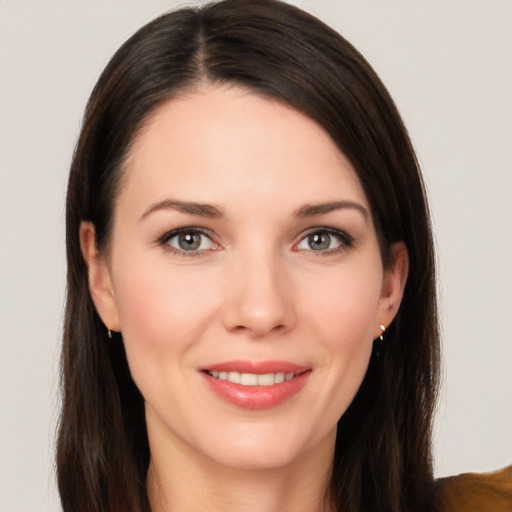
(165, 238)
(346, 241)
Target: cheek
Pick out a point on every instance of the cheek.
(343, 315)
(161, 314)
(346, 306)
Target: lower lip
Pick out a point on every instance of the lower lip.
(257, 397)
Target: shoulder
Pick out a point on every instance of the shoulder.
(472, 492)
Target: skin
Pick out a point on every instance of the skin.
(256, 289)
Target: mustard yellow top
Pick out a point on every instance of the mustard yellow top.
(477, 492)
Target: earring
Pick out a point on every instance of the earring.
(383, 329)
(109, 333)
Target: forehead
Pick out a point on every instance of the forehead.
(218, 144)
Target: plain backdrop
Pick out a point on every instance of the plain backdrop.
(448, 64)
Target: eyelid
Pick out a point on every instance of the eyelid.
(164, 240)
(346, 240)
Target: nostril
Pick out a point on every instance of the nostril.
(257, 307)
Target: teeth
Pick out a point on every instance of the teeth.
(279, 377)
(249, 379)
(234, 377)
(267, 379)
(252, 379)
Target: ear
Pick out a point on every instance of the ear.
(100, 282)
(393, 285)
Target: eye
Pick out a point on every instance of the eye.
(188, 240)
(325, 240)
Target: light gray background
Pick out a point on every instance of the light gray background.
(448, 65)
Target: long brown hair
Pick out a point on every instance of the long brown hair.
(382, 460)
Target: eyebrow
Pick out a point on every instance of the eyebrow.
(212, 211)
(311, 210)
(202, 209)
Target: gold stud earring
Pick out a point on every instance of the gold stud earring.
(383, 329)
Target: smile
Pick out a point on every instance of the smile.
(256, 385)
(252, 379)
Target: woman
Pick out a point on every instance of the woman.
(251, 318)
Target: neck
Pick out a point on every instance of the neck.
(181, 481)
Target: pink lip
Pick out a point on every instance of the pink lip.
(257, 367)
(257, 397)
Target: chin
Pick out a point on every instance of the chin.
(257, 458)
(263, 447)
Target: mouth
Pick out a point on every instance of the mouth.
(256, 385)
(253, 379)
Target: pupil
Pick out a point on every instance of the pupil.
(189, 241)
(319, 241)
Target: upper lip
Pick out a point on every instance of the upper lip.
(257, 367)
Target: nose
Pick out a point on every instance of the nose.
(259, 298)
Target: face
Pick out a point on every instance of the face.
(245, 275)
